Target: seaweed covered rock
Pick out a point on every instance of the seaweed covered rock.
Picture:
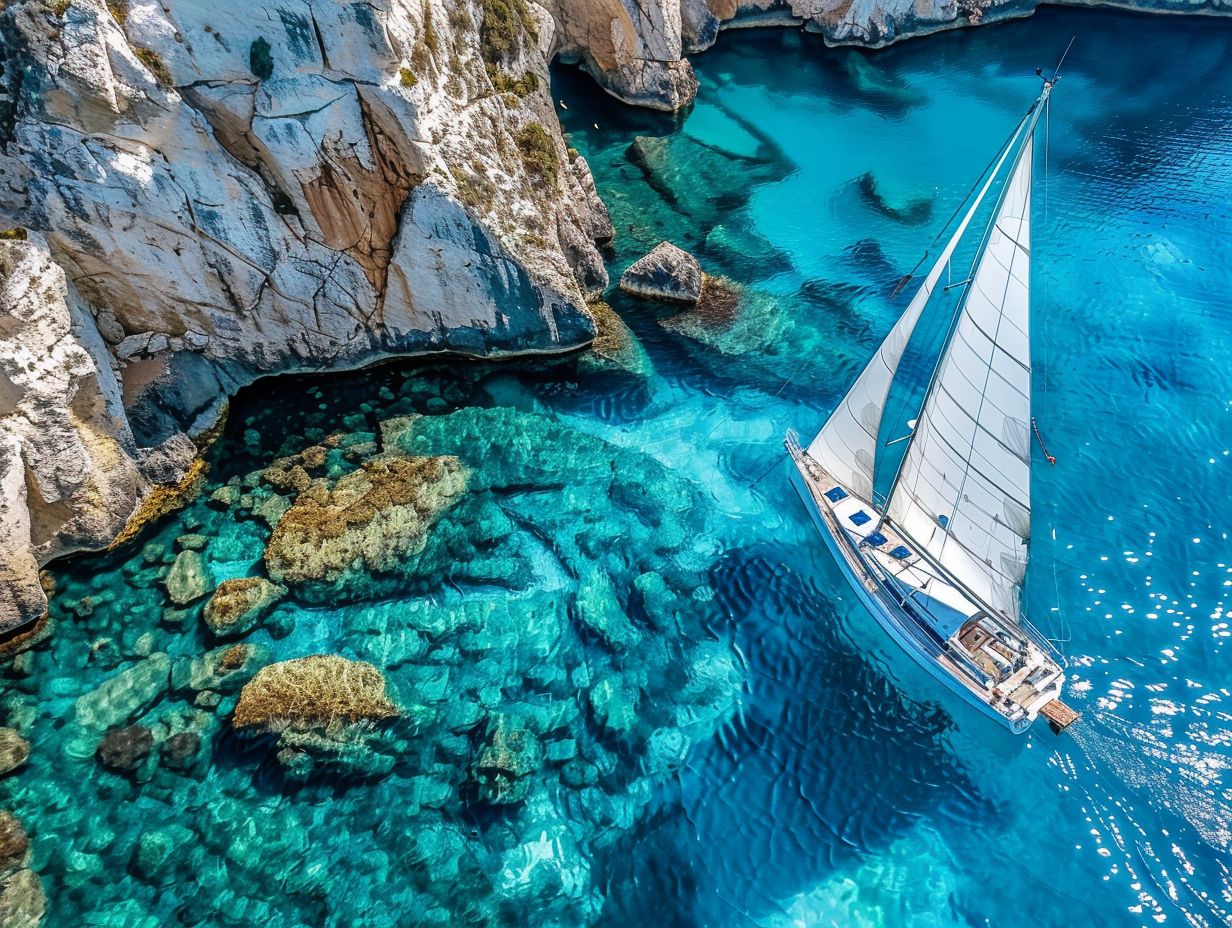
(323, 710)
(13, 844)
(316, 692)
(615, 347)
(21, 893)
(14, 750)
(367, 521)
(715, 310)
(666, 273)
(222, 670)
(237, 605)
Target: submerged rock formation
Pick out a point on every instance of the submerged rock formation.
(369, 520)
(237, 605)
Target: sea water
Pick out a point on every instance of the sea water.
(742, 746)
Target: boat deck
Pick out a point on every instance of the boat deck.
(1012, 684)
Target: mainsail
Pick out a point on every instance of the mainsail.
(963, 493)
(846, 446)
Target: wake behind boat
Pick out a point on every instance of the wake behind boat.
(941, 565)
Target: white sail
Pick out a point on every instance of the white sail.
(964, 490)
(846, 446)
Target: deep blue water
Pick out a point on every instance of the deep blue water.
(780, 764)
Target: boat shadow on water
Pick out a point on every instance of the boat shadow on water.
(839, 762)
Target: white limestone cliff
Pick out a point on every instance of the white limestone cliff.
(69, 471)
(235, 189)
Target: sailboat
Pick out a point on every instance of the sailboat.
(941, 559)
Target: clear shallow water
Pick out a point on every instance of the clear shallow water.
(839, 786)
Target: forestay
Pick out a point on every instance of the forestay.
(846, 446)
(963, 493)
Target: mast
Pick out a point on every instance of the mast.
(846, 445)
(962, 490)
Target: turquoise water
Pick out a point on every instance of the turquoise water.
(718, 735)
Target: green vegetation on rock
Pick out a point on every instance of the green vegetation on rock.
(538, 152)
(156, 65)
(505, 23)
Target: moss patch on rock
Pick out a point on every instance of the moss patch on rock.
(366, 521)
(236, 606)
(315, 692)
(538, 152)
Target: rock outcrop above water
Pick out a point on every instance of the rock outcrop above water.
(666, 273)
(70, 473)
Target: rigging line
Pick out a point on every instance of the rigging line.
(898, 287)
(1057, 70)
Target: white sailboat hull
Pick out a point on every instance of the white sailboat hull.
(908, 632)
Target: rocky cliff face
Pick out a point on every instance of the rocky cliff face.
(217, 191)
(637, 49)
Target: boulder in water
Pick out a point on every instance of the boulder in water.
(14, 750)
(122, 697)
(223, 670)
(188, 578)
(324, 710)
(13, 844)
(239, 604)
(666, 273)
(123, 749)
(370, 520)
(314, 692)
(181, 749)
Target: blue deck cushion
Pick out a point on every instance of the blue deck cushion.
(943, 521)
(836, 494)
(859, 517)
(902, 551)
(874, 539)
